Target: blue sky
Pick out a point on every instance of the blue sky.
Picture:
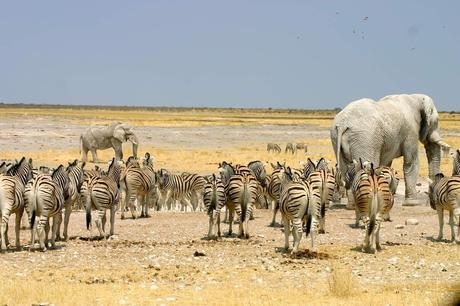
(289, 54)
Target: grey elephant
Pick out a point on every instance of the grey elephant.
(111, 136)
(380, 131)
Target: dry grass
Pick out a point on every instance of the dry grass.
(341, 282)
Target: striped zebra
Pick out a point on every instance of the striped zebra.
(273, 147)
(299, 204)
(302, 146)
(137, 184)
(444, 193)
(323, 177)
(373, 198)
(12, 186)
(273, 188)
(214, 199)
(102, 194)
(258, 170)
(187, 188)
(290, 147)
(45, 196)
(76, 178)
(241, 189)
(456, 164)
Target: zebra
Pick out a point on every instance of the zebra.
(45, 196)
(273, 147)
(136, 183)
(301, 146)
(290, 147)
(320, 175)
(12, 186)
(102, 194)
(444, 193)
(373, 198)
(241, 194)
(299, 204)
(76, 178)
(214, 199)
(186, 188)
(456, 164)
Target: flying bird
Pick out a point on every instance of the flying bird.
(365, 18)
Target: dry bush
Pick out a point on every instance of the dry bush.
(341, 282)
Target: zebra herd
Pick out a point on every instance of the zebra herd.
(290, 147)
(302, 196)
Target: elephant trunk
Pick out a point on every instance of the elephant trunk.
(135, 143)
(433, 155)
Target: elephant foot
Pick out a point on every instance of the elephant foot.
(415, 201)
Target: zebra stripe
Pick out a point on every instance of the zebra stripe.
(76, 177)
(103, 194)
(299, 203)
(444, 193)
(373, 198)
(325, 180)
(137, 183)
(214, 199)
(456, 164)
(45, 196)
(12, 187)
(241, 193)
(273, 147)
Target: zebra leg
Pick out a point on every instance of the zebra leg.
(112, 220)
(47, 230)
(218, 222)
(18, 227)
(275, 210)
(377, 238)
(100, 216)
(104, 220)
(33, 230)
(67, 212)
(4, 232)
(322, 219)
(366, 246)
(125, 205)
(452, 224)
(231, 212)
(226, 216)
(133, 206)
(356, 216)
(457, 222)
(286, 232)
(240, 225)
(41, 231)
(313, 233)
(56, 221)
(211, 225)
(297, 234)
(441, 221)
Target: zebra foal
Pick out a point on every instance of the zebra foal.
(214, 199)
(444, 193)
(12, 185)
(45, 197)
(102, 194)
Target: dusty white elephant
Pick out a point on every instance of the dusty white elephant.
(380, 131)
(112, 136)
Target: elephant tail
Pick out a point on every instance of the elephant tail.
(340, 131)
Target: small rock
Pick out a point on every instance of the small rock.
(114, 237)
(261, 236)
(411, 221)
(399, 226)
(197, 253)
(328, 269)
(393, 260)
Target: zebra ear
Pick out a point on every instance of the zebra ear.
(83, 165)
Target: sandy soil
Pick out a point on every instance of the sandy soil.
(152, 260)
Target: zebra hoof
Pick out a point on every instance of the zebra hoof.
(369, 250)
(273, 224)
(246, 236)
(321, 231)
(122, 217)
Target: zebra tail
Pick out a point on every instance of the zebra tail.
(33, 212)
(213, 205)
(88, 215)
(244, 206)
(374, 207)
(308, 225)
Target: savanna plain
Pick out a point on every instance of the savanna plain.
(166, 259)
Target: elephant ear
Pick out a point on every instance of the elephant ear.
(119, 133)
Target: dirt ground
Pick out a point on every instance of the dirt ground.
(166, 260)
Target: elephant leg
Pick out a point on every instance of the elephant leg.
(84, 154)
(410, 168)
(94, 153)
(118, 151)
